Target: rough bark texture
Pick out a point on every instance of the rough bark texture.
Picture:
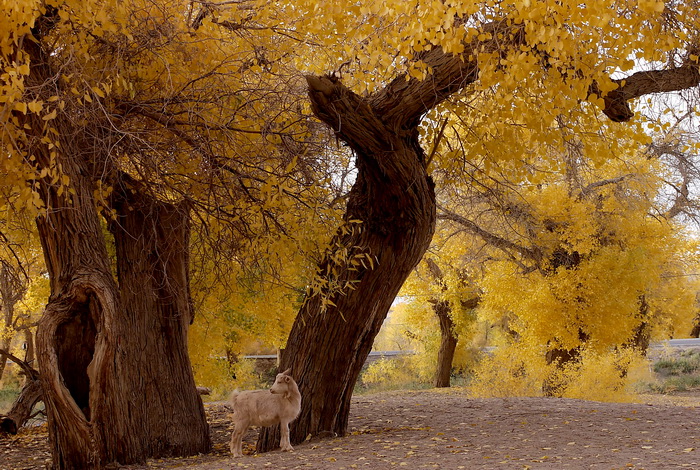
(119, 385)
(79, 334)
(117, 381)
(394, 199)
(152, 245)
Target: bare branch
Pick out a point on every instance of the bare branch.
(29, 370)
(494, 240)
(598, 184)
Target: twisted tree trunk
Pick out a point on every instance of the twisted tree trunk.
(393, 198)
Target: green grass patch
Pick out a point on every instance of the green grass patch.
(678, 366)
(680, 373)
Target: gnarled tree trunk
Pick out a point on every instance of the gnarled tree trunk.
(80, 334)
(393, 197)
(152, 245)
(118, 382)
(113, 360)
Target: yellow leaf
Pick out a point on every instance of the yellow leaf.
(51, 115)
(35, 106)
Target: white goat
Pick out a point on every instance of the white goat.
(281, 404)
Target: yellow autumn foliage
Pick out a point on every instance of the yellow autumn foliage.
(181, 82)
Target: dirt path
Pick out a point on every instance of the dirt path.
(448, 430)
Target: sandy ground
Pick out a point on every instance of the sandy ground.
(449, 430)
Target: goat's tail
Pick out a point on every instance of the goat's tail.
(231, 403)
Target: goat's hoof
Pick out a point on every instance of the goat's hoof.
(288, 449)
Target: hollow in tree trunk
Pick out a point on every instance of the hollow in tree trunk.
(113, 359)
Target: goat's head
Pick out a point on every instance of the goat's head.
(281, 384)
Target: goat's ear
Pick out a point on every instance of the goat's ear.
(287, 372)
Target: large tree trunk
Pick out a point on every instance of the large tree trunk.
(80, 336)
(105, 353)
(394, 199)
(448, 343)
(118, 382)
(152, 245)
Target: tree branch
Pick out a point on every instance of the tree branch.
(494, 240)
(597, 184)
(643, 83)
(29, 370)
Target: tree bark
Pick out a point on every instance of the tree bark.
(448, 344)
(79, 336)
(113, 359)
(393, 197)
(129, 392)
(152, 246)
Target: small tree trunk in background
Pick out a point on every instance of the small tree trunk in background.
(448, 343)
(12, 289)
(4, 345)
(559, 357)
(695, 332)
(29, 355)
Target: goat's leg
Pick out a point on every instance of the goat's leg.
(237, 440)
(284, 441)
